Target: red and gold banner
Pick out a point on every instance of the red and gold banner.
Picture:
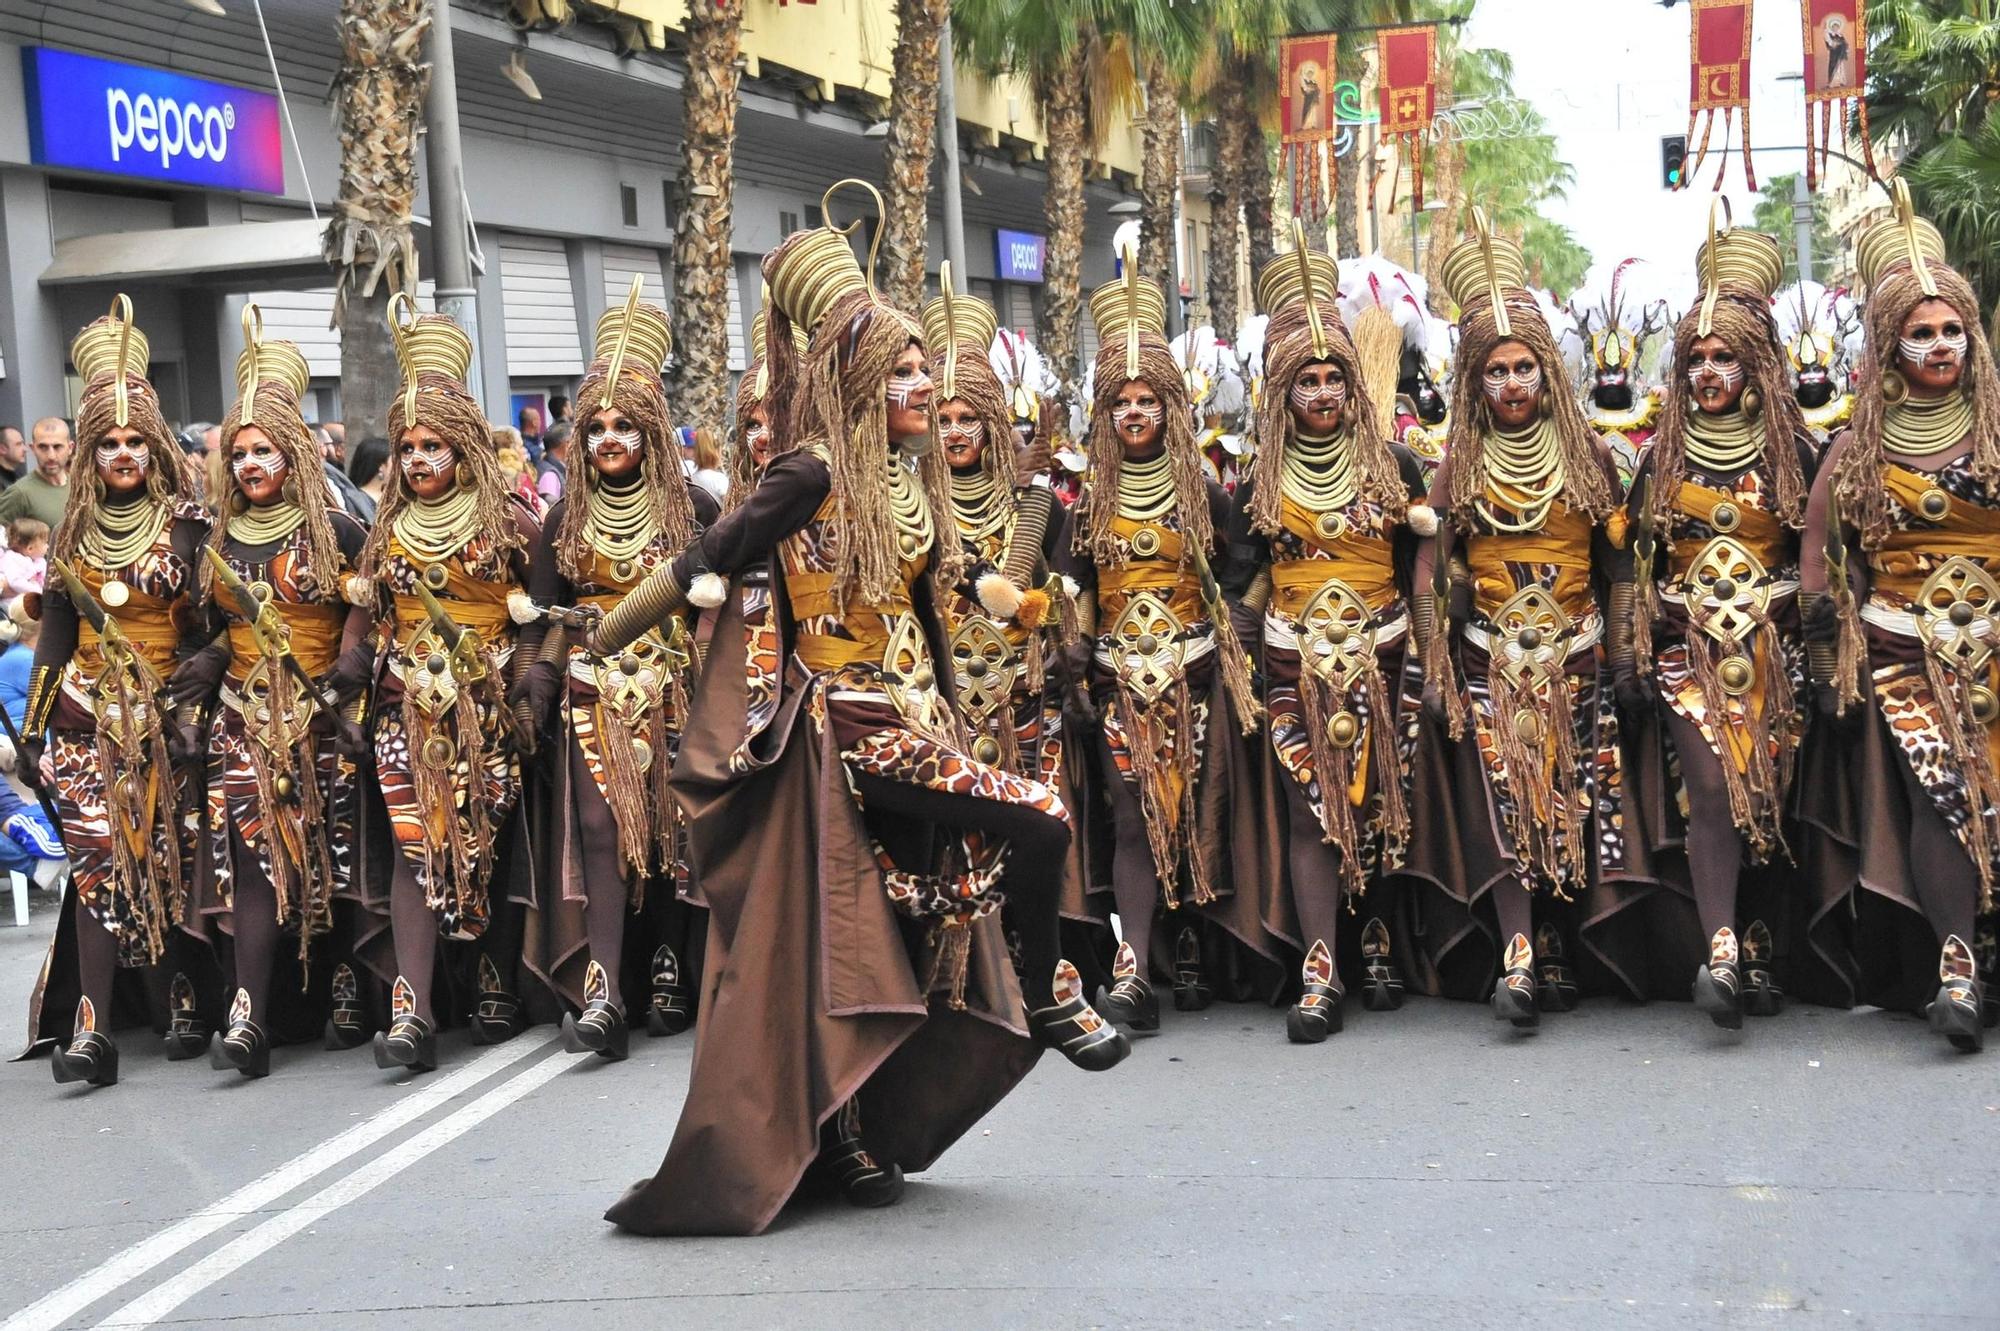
(1307, 119)
(1406, 67)
(1836, 40)
(1719, 69)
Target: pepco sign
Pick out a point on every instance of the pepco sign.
(129, 120)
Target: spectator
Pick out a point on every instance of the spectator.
(555, 454)
(559, 412)
(707, 459)
(25, 562)
(368, 467)
(28, 838)
(336, 434)
(514, 465)
(44, 492)
(13, 455)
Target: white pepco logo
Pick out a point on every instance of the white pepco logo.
(167, 127)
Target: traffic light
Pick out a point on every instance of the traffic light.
(1673, 161)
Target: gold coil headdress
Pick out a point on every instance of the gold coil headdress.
(1904, 238)
(1734, 259)
(635, 335)
(426, 344)
(276, 362)
(113, 346)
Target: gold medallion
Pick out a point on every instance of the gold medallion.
(1934, 504)
(438, 751)
(1726, 517)
(1528, 726)
(435, 577)
(1331, 525)
(623, 570)
(642, 754)
(1737, 675)
(907, 543)
(1146, 542)
(1985, 704)
(1342, 728)
(986, 749)
(114, 593)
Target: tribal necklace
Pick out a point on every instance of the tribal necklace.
(110, 548)
(1529, 464)
(432, 531)
(620, 524)
(1918, 427)
(1723, 445)
(1319, 472)
(1146, 489)
(907, 507)
(266, 524)
(977, 502)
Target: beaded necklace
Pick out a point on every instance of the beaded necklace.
(432, 531)
(1726, 444)
(1145, 489)
(1917, 427)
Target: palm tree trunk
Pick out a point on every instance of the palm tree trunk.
(1446, 165)
(1258, 187)
(912, 142)
(1160, 179)
(378, 95)
(1062, 293)
(702, 256)
(1225, 212)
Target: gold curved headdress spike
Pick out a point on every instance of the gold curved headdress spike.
(400, 304)
(1709, 259)
(624, 340)
(874, 241)
(1306, 283)
(948, 385)
(121, 310)
(1906, 217)
(253, 346)
(1484, 231)
(763, 384)
(1130, 262)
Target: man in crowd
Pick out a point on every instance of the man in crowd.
(13, 455)
(43, 492)
(549, 471)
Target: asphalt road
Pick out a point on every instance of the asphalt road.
(1627, 1167)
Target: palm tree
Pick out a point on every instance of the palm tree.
(1077, 58)
(704, 204)
(906, 155)
(1160, 176)
(378, 98)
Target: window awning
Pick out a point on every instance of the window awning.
(260, 254)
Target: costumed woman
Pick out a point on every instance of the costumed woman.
(445, 570)
(859, 1009)
(1901, 643)
(117, 617)
(1324, 544)
(1516, 803)
(282, 800)
(1624, 415)
(1169, 683)
(1006, 636)
(1716, 510)
(620, 850)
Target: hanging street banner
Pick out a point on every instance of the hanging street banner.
(1407, 70)
(1719, 79)
(1836, 48)
(1308, 119)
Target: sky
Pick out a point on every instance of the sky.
(1611, 78)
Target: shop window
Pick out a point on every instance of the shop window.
(628, 205)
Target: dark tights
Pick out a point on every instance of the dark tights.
(1033, 884)
(414, 929)
(254, 918)
(1135, 884)
(1315, 866)
(605, 887)
(1514, 907)
(96, 959)
(1947, 883)
(1714, 846)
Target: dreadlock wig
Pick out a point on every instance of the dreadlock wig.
(1300, 292)
(1487, 278)
(1741, 270)
(755, 389)
(270, 377)
(112, 355)
(624, 376)
(958, 330)
(1902, 264)
(839, 402)
(436, 354)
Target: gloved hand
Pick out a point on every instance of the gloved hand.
(352, 742)
(351, 673)
(195, 680)
(1636, 696)
(538, 686)
(1819, 620)
(1458, 604)
(186, 744)
(1435, 712)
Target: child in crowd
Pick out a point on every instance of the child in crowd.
(25, 562)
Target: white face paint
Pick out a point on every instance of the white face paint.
(756, 436)
(600, 437)
(962, 432)
(138, 454)
(1916, 350)
(1499, 377)
(904, 389)
(1135, 412)
(250, 465)
(1319, 397)
(1730, 373)
(431, 457)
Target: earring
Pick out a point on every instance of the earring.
(1895, 388)
(239, 502)
(1546, 403)
(1753, 402)
(466, 480)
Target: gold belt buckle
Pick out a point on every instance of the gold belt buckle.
(1146, 646)
(1958, 618)
(1336, 636)
(1530, 637)
(1728, 597)
(908, 676)
(984, 667)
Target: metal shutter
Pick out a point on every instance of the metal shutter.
(541, 308)
(739, 325)
(1021, 307)
(624, 262)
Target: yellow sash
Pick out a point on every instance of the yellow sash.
(1967, 529)
(1758, 530)
(1563, 540)
(1364, 562)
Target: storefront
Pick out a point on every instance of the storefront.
(143, 150)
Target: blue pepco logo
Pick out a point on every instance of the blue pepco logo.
(167, 127)
(118, 119)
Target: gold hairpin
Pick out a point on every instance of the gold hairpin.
(1299, 251)
(875, 240)
(121, 311)
(1906, 217)
(398, 304)
(624, 340)
(253, 346)
(1130, 260)
(1710, 259)
(1484, 231)
(949, 385)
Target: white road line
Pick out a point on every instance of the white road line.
(246, 1247)
(55, 1308)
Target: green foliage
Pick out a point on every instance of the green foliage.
(1773, 216)
(1556, 259)
(1933, 80)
